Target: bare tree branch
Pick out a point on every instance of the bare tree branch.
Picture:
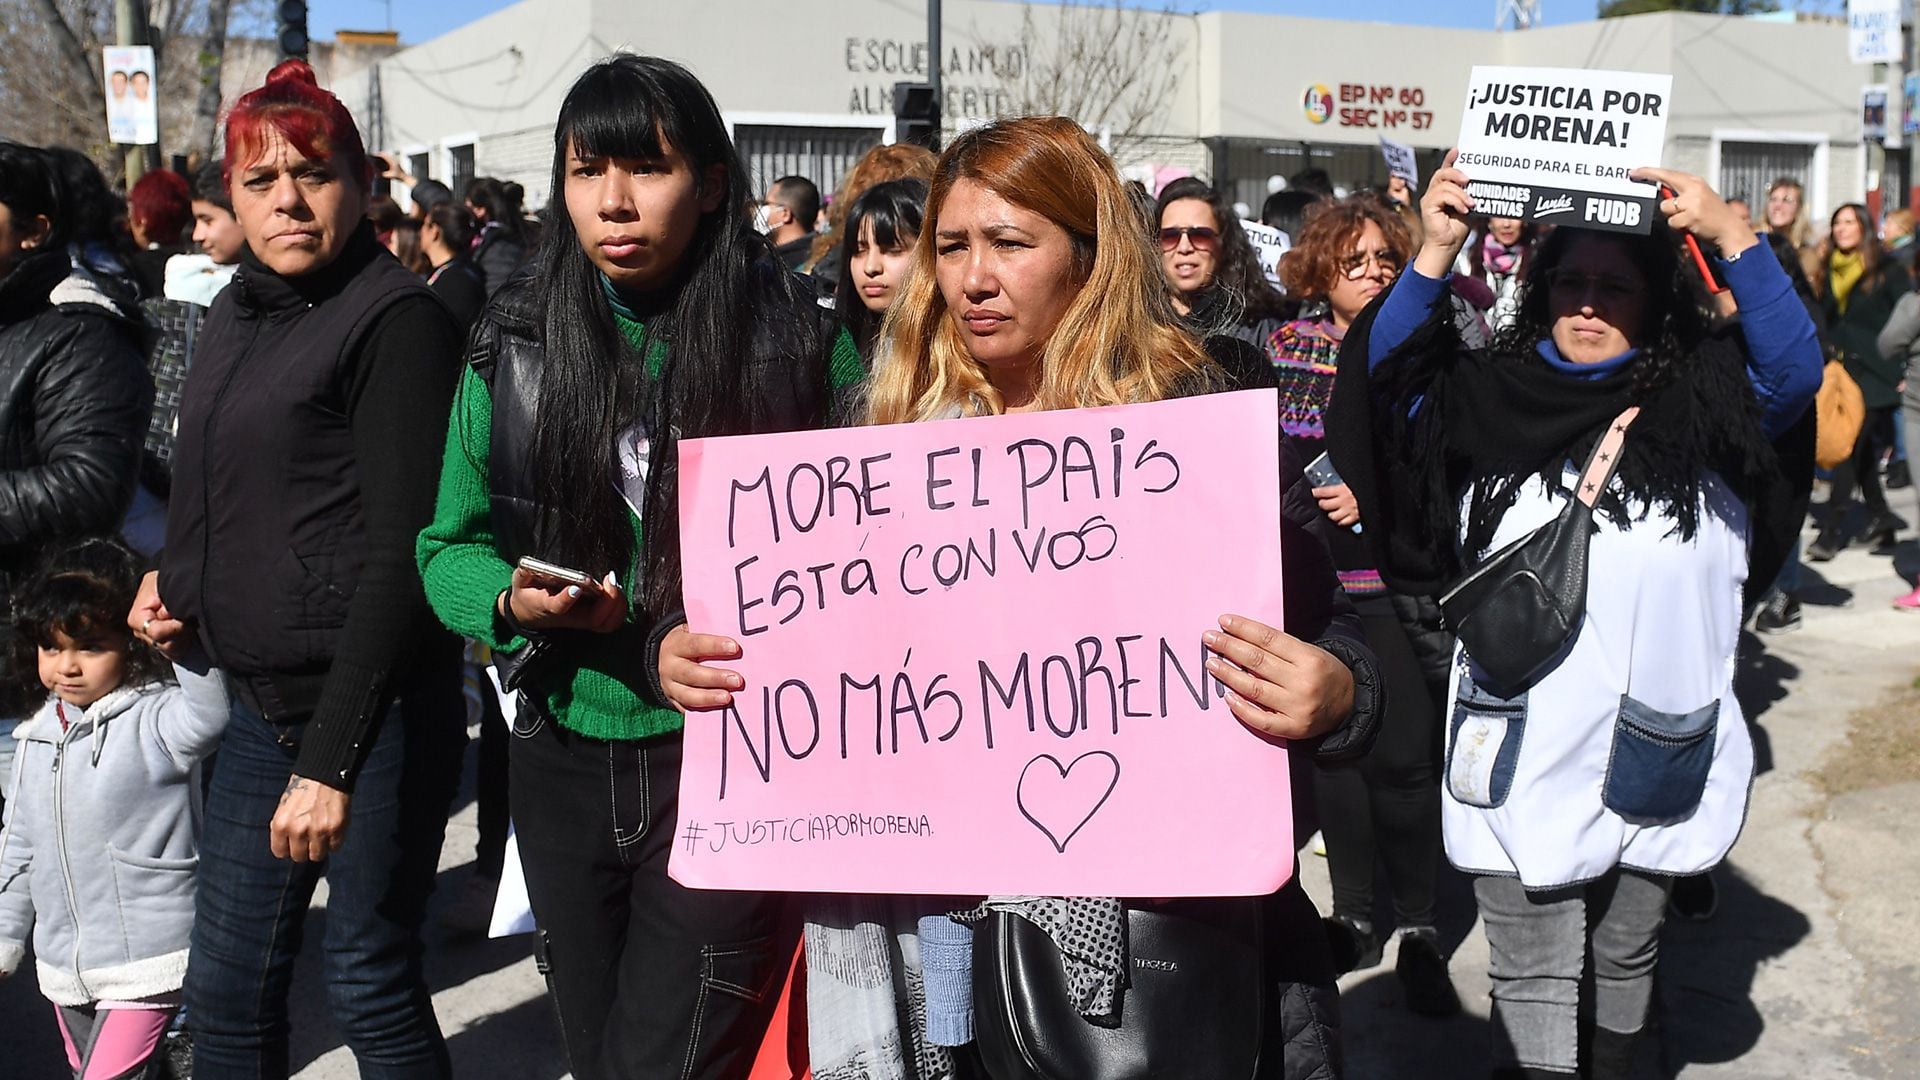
(1115, 69)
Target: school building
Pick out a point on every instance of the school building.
(1237, 98)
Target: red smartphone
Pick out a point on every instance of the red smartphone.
(1693, 247)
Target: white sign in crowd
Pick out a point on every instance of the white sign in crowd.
(1557, 144)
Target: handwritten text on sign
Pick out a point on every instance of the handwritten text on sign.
(1556, 144)
(972, 655)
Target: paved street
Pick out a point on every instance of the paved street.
(1810, 969)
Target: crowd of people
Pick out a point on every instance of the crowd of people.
(273, 448)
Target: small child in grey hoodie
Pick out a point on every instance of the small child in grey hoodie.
(98, 850)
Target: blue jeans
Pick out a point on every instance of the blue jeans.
(252, 907)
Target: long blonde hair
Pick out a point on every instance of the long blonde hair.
(1120, 340)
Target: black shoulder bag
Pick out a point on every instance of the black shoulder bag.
(1516, 611)
(1192, 1007)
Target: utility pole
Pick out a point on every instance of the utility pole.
(1876, 154)
(130, 28)
(934, 64)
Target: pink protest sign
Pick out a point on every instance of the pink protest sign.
(972, 655)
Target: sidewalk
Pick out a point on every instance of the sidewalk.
(1810, 969)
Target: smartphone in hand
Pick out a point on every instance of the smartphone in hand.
(553, 572)
(1321, 473)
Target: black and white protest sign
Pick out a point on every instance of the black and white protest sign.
(1556, 144)
(1400, 161)
(1269, 244)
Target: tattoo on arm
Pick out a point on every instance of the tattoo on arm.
(297, 783)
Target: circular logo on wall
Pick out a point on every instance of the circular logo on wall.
(1318, 103)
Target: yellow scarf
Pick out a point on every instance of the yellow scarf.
(1843, 271)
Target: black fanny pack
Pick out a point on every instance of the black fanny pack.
(1516, 612)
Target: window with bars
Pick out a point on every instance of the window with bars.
(420, 166)
(822, 155)
(1748, 169)
(460, 160)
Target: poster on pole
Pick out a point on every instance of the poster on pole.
(1910, 105)
(972, 655)
(1873, 31)
(1269, 244)
(133, 113)
(1873, 113)
(1401, 161)
(1556, 144)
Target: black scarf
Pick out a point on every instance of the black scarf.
(1490, 423)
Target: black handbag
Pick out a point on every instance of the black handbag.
(1192, 1007)
(1515, 612)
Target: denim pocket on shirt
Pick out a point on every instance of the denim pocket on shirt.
(1483, 745)
(1658, 769)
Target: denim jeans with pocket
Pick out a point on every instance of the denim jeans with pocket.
(251, 908)
(650, 980)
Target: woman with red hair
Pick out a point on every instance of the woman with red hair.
(309, 440)
(159, 209)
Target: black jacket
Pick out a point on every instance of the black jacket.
(785, 381)
(74, 401)
(497, 256)
(1856, 332)
(459, 285)
(309, 446)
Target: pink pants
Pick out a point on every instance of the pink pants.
(109, 1043)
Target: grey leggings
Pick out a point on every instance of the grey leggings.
(1539, 944)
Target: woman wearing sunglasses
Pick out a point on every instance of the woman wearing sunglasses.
(1578, 792)
(1210, 266)
(1385, 808)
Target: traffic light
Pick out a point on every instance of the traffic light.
(291, 35)
(916, 115)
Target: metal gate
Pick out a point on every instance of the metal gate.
(822, 155)
(1747, 169)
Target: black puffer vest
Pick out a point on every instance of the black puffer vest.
(785, 384)
(265, 538)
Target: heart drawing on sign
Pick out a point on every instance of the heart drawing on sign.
(1055, 797)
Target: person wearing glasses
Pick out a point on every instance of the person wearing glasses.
(1211, 268)
(1385, 808)
(1577, 799)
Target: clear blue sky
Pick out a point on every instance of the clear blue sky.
(418, 21)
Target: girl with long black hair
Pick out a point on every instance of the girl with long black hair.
(657, 314)
(874, 255)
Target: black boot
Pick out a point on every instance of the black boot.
(1422, 969)
(1522, 1072)
(1779, 614)
(1354, 942)
(1613, 1054)
(1825, 546)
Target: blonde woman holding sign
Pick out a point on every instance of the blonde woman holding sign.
(1033, 288)
(1618, 759)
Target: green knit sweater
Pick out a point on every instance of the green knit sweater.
(464, 574)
